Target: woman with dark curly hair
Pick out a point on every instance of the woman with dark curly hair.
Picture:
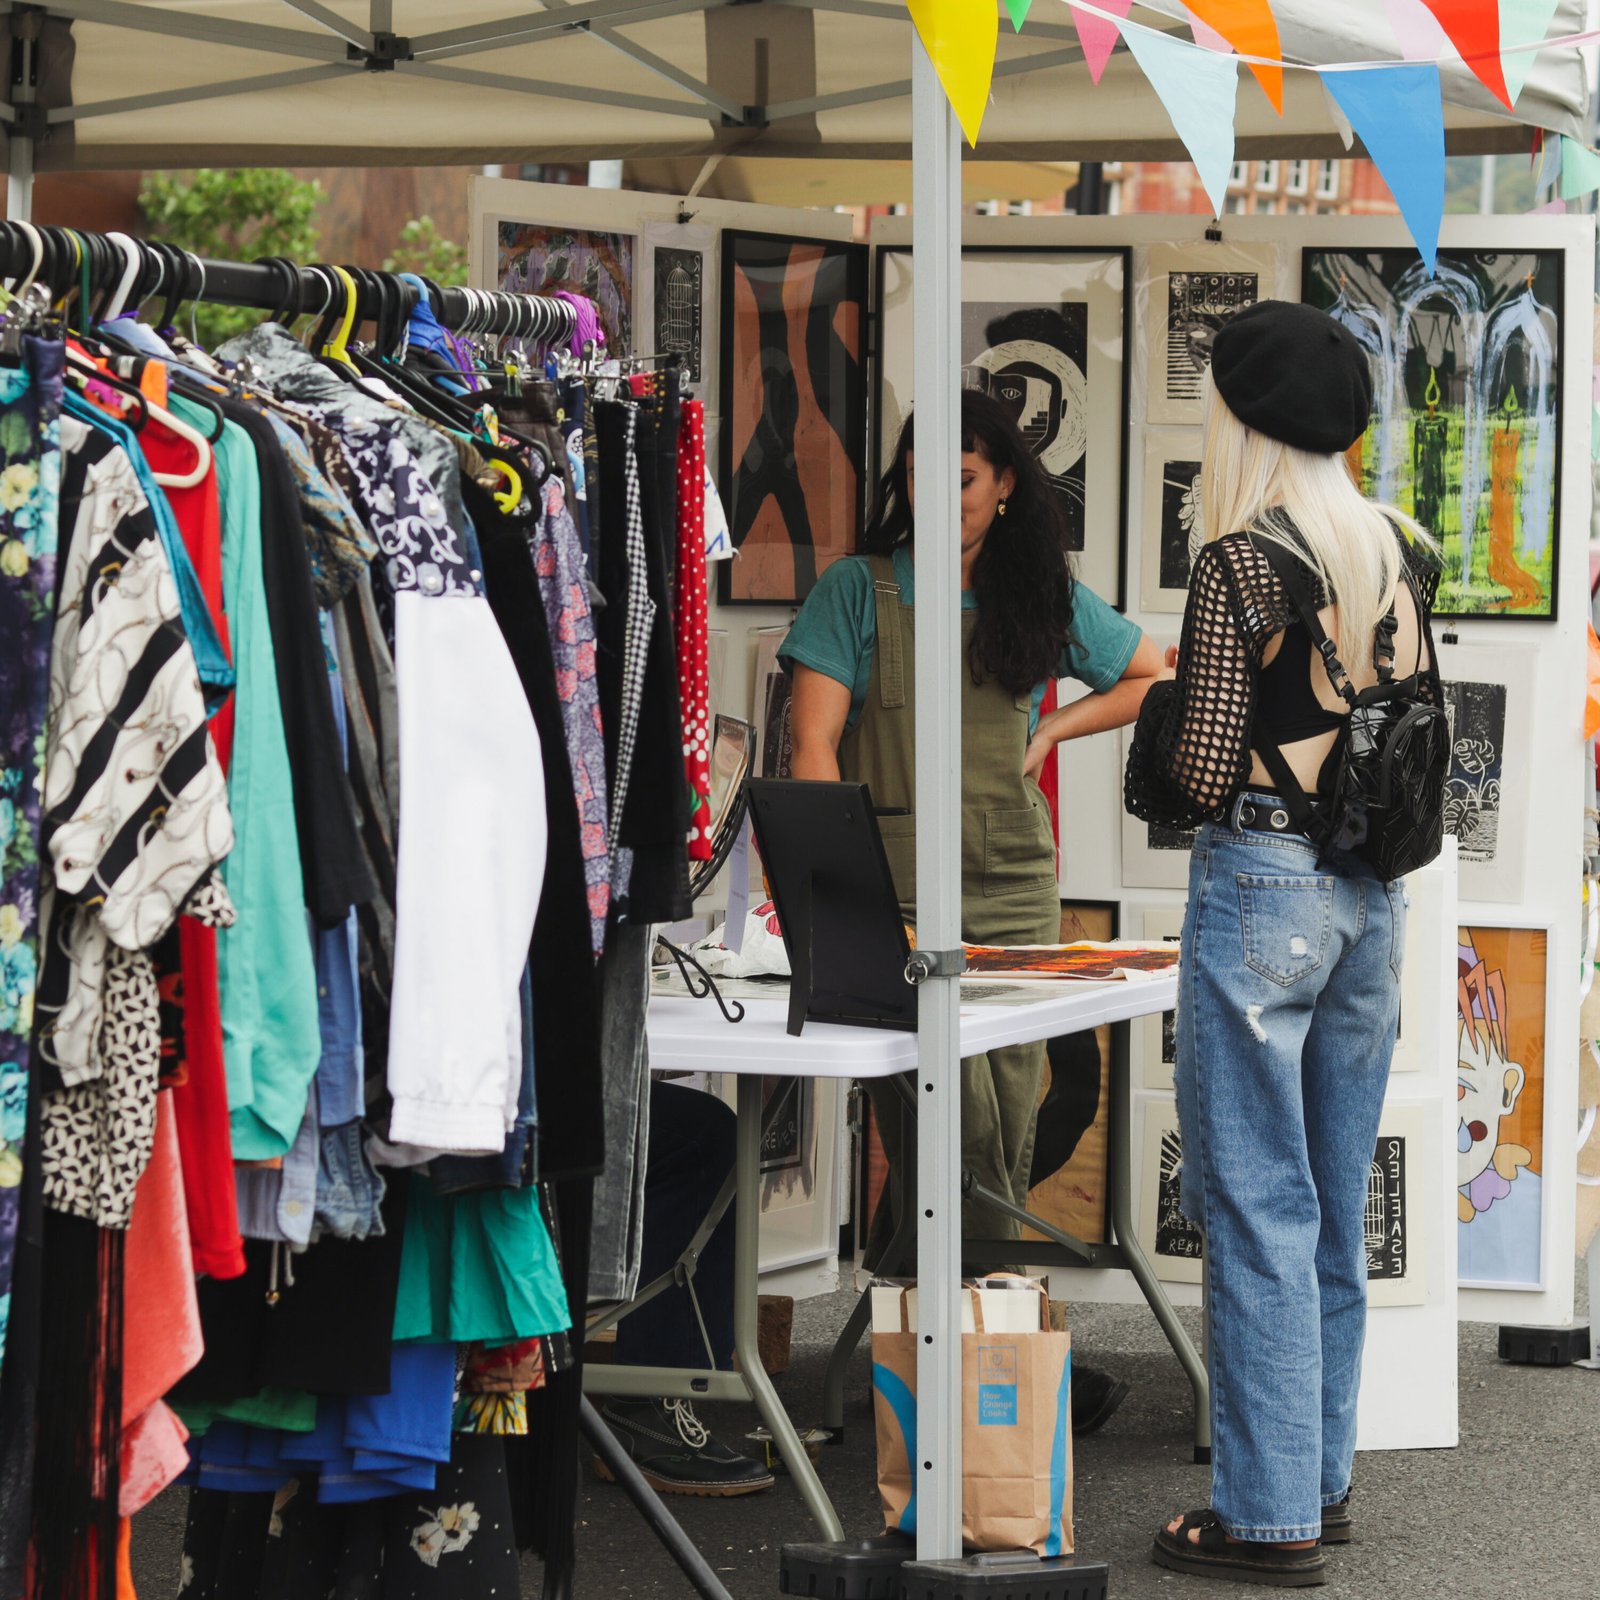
(1025, 622)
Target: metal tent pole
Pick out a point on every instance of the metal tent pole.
(936, 245)
(22, 88)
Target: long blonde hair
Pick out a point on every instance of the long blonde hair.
(1248, 480)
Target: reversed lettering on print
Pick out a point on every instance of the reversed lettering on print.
(1197, 305)
(1477, 713)
(679, 276)
(1176, 1236)
(1385, 1224)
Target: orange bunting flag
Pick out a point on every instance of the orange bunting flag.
(1252, 30)
(1474, 29)
(961, 37)
(1591, 708)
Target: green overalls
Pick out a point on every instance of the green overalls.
(1008, 879)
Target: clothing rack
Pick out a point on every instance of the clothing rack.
(134, 270)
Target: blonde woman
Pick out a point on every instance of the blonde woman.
(1289, 992)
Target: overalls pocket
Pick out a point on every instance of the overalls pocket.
(1018, 852)
(900, 846)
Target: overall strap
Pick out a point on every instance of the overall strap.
(891, 655)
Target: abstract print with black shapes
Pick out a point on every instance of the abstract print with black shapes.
(794, 411)
(1472, 791)
(1033, 360)
(1183, 526)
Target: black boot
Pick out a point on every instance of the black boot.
(674, 1450)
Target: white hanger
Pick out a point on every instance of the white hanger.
(36, 240)
(175, 425)
(130, 271)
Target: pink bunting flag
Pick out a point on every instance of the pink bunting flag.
(1099, 35)
(1416, 30)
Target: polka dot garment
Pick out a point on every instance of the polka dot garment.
(694, 688)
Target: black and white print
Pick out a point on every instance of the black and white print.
(1173, 1243)
(1395, 1221)
(1173, 523)
(1157, 1036)
(1490, 696)
(1190, 291)
(1385, 1220)
(679, 283)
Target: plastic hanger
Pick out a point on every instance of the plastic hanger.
(509, 498)
(192, 436)
(36, 245)
(338, 347)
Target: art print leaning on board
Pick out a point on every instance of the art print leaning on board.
(1190, 290)
(1466, 420)
(1490, 698)
(1173, 524)
(1045, 332)
(540, 256)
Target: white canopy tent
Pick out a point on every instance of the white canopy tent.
(172, 83)
(101, 84)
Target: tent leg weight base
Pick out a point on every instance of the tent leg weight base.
(1202, 1455)
(853, 1569)
(1006, 1575)
(1544, 1347)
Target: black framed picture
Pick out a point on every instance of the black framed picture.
(1046, 332)
(794, 411)
(1466, 422)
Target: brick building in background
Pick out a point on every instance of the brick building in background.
(1255, 188)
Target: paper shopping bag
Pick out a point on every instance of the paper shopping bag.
(1016, 1425)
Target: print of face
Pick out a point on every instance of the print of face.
(982, 490)
(1487, 1089)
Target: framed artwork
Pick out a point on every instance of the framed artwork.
(1191, 290)
(794, 411)
(1500, 1029)
(1045, 331)
(1394, 1219)
(1466, 423)
(1172, 1243)
(1490, 696)
(1174, 525)
(1068, 1185)
(1158, 1035)
(599, 266)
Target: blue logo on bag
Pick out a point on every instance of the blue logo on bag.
(997, 1386)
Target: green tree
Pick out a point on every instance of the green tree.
(424, 250)
(232, 214)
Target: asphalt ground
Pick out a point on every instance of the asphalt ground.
(1513, 1511)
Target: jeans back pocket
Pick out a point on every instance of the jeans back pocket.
(1287, 923)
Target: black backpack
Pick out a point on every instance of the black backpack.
(1386, 803)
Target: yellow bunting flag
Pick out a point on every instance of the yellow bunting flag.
(1249, 26)
(961, 37)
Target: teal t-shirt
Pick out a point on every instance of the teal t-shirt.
(837, 631)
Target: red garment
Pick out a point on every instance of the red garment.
(694, 686)
(200, 1103)
(1050, 776)
(161, 1337)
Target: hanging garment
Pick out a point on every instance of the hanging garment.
(694, 686)
(333, 874)
(564, 991)
(267, 981)
(135, 808)
(30, 478)
(558, 565)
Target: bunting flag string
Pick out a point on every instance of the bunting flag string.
(1395, 106)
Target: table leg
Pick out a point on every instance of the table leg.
(1128, 1242)
(746, 1288)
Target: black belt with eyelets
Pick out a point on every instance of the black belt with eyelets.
(1267, 819)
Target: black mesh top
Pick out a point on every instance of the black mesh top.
(1191, 749)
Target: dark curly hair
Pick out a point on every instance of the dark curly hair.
(1023, 577)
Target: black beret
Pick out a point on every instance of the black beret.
(1293, 373)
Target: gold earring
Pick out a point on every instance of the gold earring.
(1001, 509)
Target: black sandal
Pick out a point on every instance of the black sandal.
(1337, 1526)
(1216, 1556)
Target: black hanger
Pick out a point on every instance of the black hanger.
(178, 268)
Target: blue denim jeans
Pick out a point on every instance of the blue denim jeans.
(1289, 997)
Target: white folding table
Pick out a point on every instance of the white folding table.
(690, 1035)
